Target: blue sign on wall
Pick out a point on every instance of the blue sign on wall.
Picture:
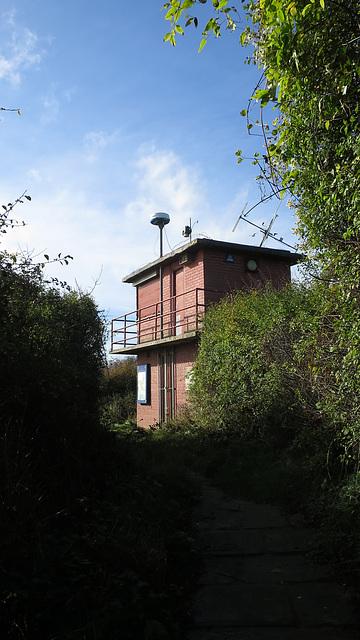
(143, 384)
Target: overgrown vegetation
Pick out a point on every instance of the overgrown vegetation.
(118, 393)
(278, 370)
(283, 369)
(93, 524)
(94, 539)
(94, 521)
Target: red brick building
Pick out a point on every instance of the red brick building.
(171, 298)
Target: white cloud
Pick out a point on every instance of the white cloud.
(69, 93)
(53, 100)
(34, 175)
(95, 142)
(71, 212)
(51, 105)
(162, 182)
(22, 51)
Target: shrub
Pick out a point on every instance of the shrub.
(52, 346)
(118, 401)
(236, 378)
(281, 369)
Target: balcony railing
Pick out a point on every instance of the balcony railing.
(175, 316)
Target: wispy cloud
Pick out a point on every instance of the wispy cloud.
(53, 100)
(113, 236)
(163, 181)
(19, 52)
(51, 106)
(95, 142)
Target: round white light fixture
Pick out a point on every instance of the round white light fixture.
(251, 265)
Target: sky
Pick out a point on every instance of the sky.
(115, 125)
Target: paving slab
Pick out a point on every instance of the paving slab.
(287, 539)
(238, 605)
(281, 569)
(272, 633)
(320, 604)
(262, 516)
(256, 582)
(235, 542)
(265, 569)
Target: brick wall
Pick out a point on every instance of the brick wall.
(229, 276)
(147, 414)
(148, 293)
(206, 269)
(193, 274)
(184, 356)
(184, 359)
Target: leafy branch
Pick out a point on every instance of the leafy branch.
(225, 16)
(5, 221)
(6, 109)
(23, 260)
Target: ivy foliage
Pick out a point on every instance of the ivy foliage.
(224, 15)
(281, 369)
(308, 53)
(233, 382)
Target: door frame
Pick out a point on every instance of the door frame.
(166, 385)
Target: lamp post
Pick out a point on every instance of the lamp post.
(160, 219)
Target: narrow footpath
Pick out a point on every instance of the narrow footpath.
(256, 583)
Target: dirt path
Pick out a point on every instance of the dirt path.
(256, 583)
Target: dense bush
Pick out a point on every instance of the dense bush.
(236, 380)
(118, 397)
(282, 368)
(52, 357)
(92, 522)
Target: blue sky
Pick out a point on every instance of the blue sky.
(117, 124)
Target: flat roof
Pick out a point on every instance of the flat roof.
(202, 243)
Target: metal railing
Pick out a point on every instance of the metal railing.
(173, 316)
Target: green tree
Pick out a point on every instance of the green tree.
(52, 346)
(308, 53)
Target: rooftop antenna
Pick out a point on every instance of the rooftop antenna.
(160, 219)
(266, 232)
(240, 216)
(187, 231)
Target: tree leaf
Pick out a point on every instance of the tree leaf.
(187, 4)
(202, 44)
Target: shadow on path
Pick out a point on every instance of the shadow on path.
(255, 582)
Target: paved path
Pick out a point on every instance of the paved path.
(255, 582)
